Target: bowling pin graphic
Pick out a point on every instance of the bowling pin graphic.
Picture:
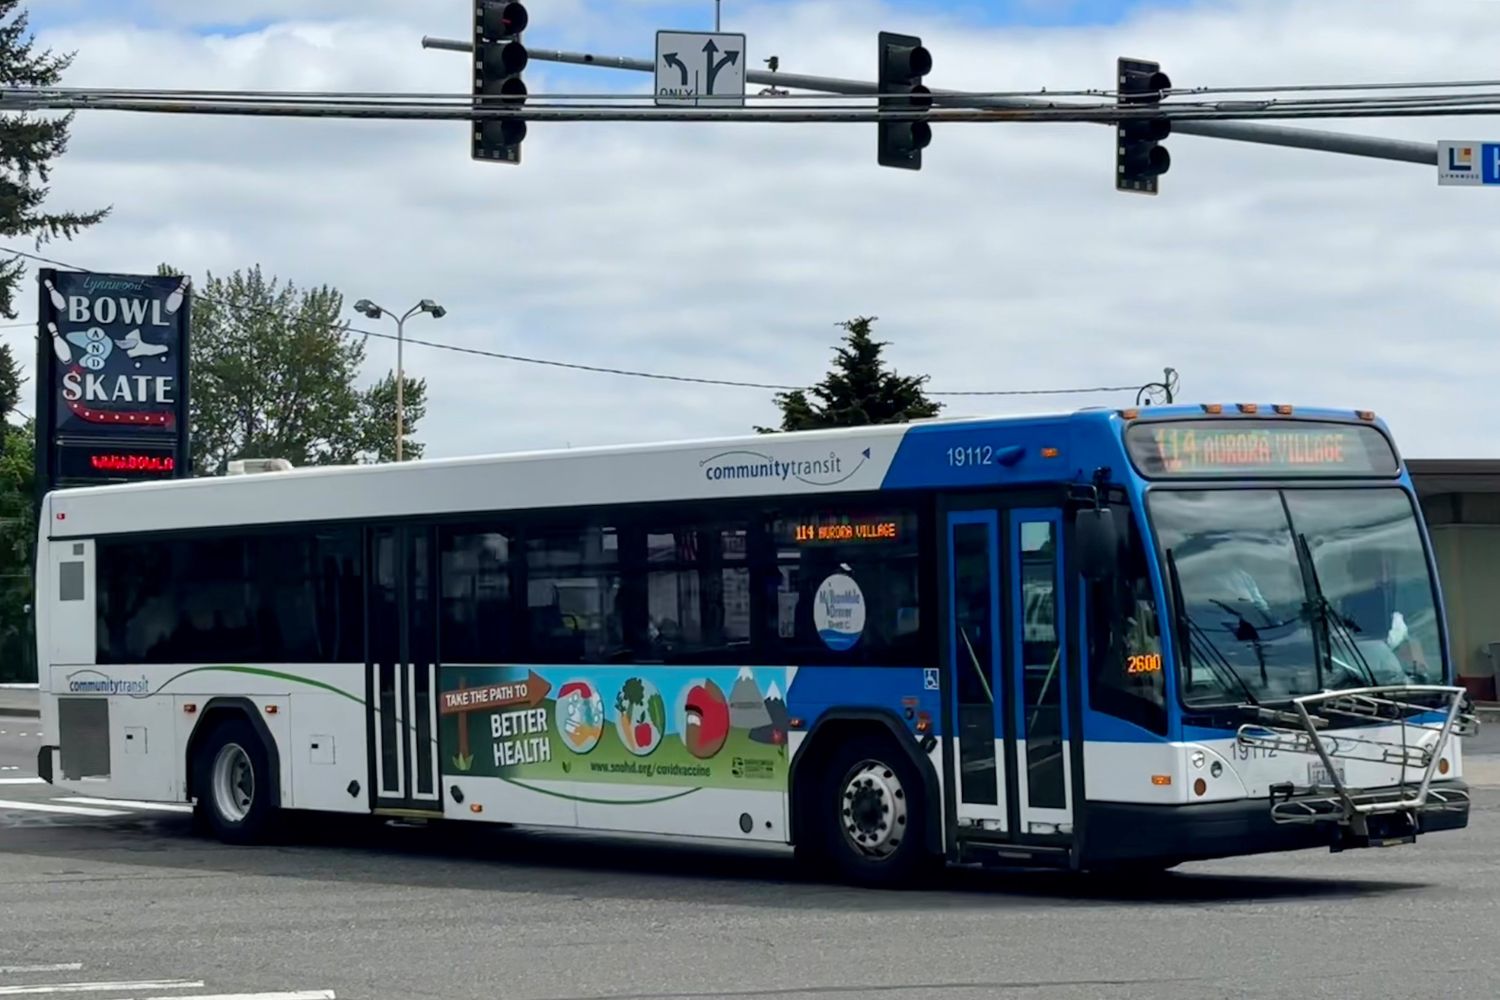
(58, 302)
(174, 301)
(60, 346)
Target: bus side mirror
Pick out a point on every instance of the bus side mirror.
(1098, 542)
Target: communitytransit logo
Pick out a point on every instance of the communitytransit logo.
(742, 464)
(93, 682)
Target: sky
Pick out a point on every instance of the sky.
(732, 250)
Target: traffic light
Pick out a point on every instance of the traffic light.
(903, 63)
(499, 58)
(1139, 157)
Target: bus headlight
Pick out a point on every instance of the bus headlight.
(1197, 758)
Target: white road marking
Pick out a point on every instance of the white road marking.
(126, 803)
(294, 995)
(147, 984)
(21, 781)
(48, 807)
(54, 967)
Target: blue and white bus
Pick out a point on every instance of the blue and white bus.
(1099, 640)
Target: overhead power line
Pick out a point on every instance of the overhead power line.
(956, 108)
(578, 366)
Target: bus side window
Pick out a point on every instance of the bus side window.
(1127, 675)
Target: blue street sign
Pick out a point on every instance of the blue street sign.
(1469, 164)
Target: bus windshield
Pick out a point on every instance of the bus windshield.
(1285, 592)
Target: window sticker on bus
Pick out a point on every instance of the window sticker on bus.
(839, 612)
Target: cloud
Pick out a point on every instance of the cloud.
(732, 250)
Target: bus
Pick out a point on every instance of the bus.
(1101, 640)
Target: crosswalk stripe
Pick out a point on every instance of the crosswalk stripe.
(54, 967)
(126, 803)
(20, 781)
(38, 989)
(47, 807)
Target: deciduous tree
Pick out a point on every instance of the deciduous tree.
(274, 373)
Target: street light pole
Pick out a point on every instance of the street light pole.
(374, 311)
(400, 385)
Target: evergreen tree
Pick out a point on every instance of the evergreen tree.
(858, 390)
(28, 147)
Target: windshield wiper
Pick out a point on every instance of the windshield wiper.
(1217, 662)
(1329, 616)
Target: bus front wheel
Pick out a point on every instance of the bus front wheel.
(870, 813)
(232, 780)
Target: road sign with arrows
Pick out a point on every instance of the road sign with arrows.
(700, 69)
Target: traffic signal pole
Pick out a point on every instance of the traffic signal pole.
(1375, 147)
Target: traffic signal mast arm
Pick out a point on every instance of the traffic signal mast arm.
(1376, 147)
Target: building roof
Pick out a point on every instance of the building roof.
(1455, 475)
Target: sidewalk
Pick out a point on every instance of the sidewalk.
(19, 701)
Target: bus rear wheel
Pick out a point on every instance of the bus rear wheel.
(869, 814)
(232, 782)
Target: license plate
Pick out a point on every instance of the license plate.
(1317, 774)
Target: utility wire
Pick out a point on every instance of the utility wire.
(1044, 93)
(635, 107)
(481, 352)
(1041, 94)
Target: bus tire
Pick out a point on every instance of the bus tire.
(868, 814)
(235, 789)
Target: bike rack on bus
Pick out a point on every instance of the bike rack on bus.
(1303, 730)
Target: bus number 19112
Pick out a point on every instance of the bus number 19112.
(978, 455)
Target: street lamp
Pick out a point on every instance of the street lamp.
(374, 311)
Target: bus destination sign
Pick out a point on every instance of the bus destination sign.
(1284, 448)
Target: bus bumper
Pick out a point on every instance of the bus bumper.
(1118, 831)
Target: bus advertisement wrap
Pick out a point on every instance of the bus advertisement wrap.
(710, 728)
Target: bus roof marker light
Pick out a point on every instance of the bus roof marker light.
(1285, 409)
(1130, 414)
(1249, 407)
(1366, 415)
(1214, 408)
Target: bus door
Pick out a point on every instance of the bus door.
(401, 669)
(1044, 761)
(1007, 673)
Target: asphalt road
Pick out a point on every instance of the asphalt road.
(132, 897)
